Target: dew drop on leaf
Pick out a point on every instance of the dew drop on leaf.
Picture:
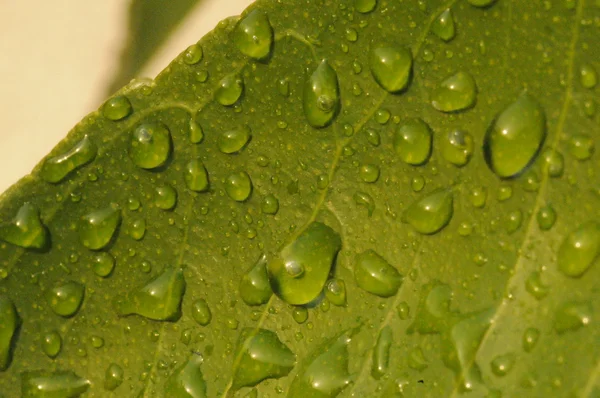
(365, 6)
(56, 168)
(51, 344)
(254, 286)
(375, 275)
(230, 90)
(150, 145)
(26, 229)
(196, 132)
(103, 264)
(391, 67)
(270, 204)
(196, 176)
(478, 197)
(165, 197)
(96, 229)
(481, 3)
(546, 217)
(503, 364)
(455, 93)
(46, 383)
(238, 186)
(187, 380)
(530, 338)
(381, 353)
(300, 314)
(433, 311)
(554, 162)
(515, 137)
(369, 173)
(579, 249)
(335, 292)
(65, 299)
(201, 312)
(193, 54)
(113, 377)
(413, 141)
(117, 108)
(137, 228)
(430, 213)
(253, 35)
(403, 310)
(366, 200)
(321, 97)
(581, 146)
(373, 137)
(514, 219)
(588, 76)
(505, 192)
(572, 315)
(535, 286)
(443, 25)
(9, 322)
(457, 147)
(234, 140)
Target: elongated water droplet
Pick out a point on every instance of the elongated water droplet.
(196, 132)
(234, 140)
(515, 137)
(160, 299)
(503, 364)
(26, 229)
(201, 312)
(270, 204)
(335, 292)
(196, 176)
(530, 339)
(365, 6)
(431, 213)
(187, 380)
(314, 250)
(514, 220)
(535, 286)
(113, 377)
(481, 3)
(373, 137)
(391, 67)
(546, 217)
(48, 384)
(261, 356)
(230, 90)
(375, 275)
(103, 264)
(443, 25)
(97, 228)
(554, 162)
(56, 168)
(366, 200)
(253, 35)
(412, 142)
(588, 76)
(65, 299)
(9, 322)
(455, 93)
(572, 315)
(579, 249)
(581, 146)
(321, 98)
(137, 228)
(381, 353)
(238, 186)
(150, 145)
(457, 147)
(117, 108)
(52, 344)
(166, 197)
(254, 286)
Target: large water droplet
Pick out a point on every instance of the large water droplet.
(56, 168)
(365, 6)
(572, 315)
(150, 145)
(381, 353)
(321, 98)
(254, 286)
(97, 228)
(443, 25)
(113, 377)
(412, 142)
(117, 108)
(196, 176)
(160, 299)
(9, 321)
(391, 67)
(48, 384)
(238, 186)
(455, 93)
(234, 140)
(201, 312)
(579, 249)
(65, 299)
(26, 229)
(335, 292)
(230, 90)
(588, 76)
(261, 355)
(431, 213)
(253, 35)
(457, 147)
(515, 137)
(187, 381)
(325, 373)
(375, 275)
(166, 197)
(315, 250)
(51, 343)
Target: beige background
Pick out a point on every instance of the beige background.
(57, 58)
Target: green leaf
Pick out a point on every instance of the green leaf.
(435, 223)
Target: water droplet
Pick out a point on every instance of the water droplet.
(254, 286)
(150, 145)
(369, 173)
(103, 264)
(572, 315)
(366, 200)
(253, 35)
(56, 168)
(315, 249)
(455, 93)
(382, 116)
(530, 339)
(196, 132)
(381, 353)
(481, 3)
(283, 86)
(403, 310)
(325, 373)
(196, 176)
(515, 137)
(52, 344)
(117, 108)
(375, 275)
(457, 147)
(26, 229)
(365, 6)
(514, 220)
(97, 228)
(187, 380)
(417, 183)
(230, 90)
(443, 25)
(373, 137)
(201, 312)
(97, 341)
(335, 291)
(300, 314)
(160, 299)
(504, 193)
(65, 299)
(412, 142)
(579, 249)
(546, 217)
(431, 213)
(433, 310)
(588, 76)
(270, 204)
(137, 228)
(535, 286)
(554, 162)
(113, 377)
(166, 197)
(321, 100)
(322, 181)
(9, 322)
(581, 146)
(503, 364)
(45, 383)
(238, 186)
(391, 67)
(234, 140)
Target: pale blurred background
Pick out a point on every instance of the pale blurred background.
(58, 60)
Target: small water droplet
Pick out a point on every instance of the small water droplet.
(9, 322)
(321, 99)
(45, 383)
(381, 353)
(65, 299)
(417, 183)
(270, 204)
(588, 76)
(238, 186)
(590, 107)
(201, 312)
(365, 6)
(150, 145)
(253, 35)
(26, 229)
(196, 176)
(283, 86)
(455, 93)
(413, 141)
(504, 193)
(403, 310)
(113, 377)
(481, 3)
(546, 217)
(535, 286)
(579, 249)
(478, 197)
(137, 228)
(375, 275)
(581, 146)
(515, 137)
(196, 132)
(554, 162)
(187, 380)
(366, 200)
(430, 213)
(193, 54)
(56, 168)
(51, 344)
(117, 108)
(300, 314)
(233, 141)
(96, 229)
(230, 90)
(322, 181)
(514, 220)
(503, 364)
(103, 264)
(254, 286)
(369, 173)
(572, 315)
(166, 197)
(335, 291)
(373, 137)
(443, 25)
(457, 147)
(351, 34)
(530, 339)
(391, 67)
